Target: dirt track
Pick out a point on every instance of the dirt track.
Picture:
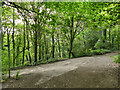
(86, 72)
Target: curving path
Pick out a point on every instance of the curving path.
(86, 72)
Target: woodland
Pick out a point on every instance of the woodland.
(35, 33)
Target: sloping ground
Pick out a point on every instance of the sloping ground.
(85, 72)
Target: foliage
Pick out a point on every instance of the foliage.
(99, 44)
(17, 75)
(43, 32)
(100, 51)
(117, 58)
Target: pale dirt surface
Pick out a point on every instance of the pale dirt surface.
(86, 72)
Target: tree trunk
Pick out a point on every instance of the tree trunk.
(84, 40)
(118, 41)
(109, 38)
(35, 40)
(63, 51)
(18, 50)
(59, 45)
(104, 33)
(53, 46)
(8, 42)
(28, 43)
(43, 50)
(47, 50)
(13, 40)
(71, 38)
(1, 34)
(46, 47)
(40, 47)
(71, 46)
(1, 37)
(24, 46)
(35, 45)
(39, 51)
(112, 41)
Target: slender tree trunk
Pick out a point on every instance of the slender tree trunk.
(28, 43)
(39, 43)
(30, 58)
(71, 46)
(59, 45)
(118, 41)
(39, 51)
(63, 51)
(35, 45)
(1, 34)
(27, 58)
(112, 41)
(71, 39)
(109, 38)
(46, 47)
(84, 40)
(8, 42)
(13, 40)
(18, 50)
(47, 50)
(53, 45)
(40, 46)
(43, 50)
(1, 38)
(24, 45)
(104, 33)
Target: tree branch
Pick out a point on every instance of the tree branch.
(12, 4)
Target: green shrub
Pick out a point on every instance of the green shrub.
(99, 44)
(117, 58)
(99, 51)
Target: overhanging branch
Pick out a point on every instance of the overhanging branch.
(12, 4)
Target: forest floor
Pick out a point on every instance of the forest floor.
(97, 71)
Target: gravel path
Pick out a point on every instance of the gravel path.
(86, 72)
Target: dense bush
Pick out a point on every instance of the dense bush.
(117, 58)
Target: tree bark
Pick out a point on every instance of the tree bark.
(8, 42)
(35, 45)
(109, 37)
(105, 35)
(1, 34)
(28, 43)
(46, 47)
(18, 50)
(71, 38)
(13, 40)
(112, 41)
(53, 45)
(39, 51)
(84, 40)
(59, 45)
(118, 41)
(24, 45)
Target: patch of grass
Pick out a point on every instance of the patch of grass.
(17, 75)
